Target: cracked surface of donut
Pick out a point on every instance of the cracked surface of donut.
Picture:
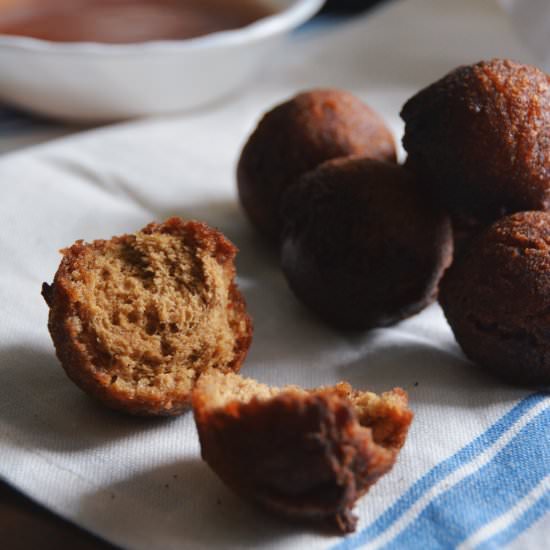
(480, 140)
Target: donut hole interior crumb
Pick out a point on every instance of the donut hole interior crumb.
(384, 414)
(152, 311)
(221, 389)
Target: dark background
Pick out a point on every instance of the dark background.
(348, 6)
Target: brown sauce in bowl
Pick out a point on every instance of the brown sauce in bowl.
(126, 21)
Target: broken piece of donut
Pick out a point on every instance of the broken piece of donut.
(305, 454)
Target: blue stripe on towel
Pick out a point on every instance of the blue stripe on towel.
(521, 524)
(454, 515)
(441, 471)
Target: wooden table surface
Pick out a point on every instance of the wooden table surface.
(26, 526)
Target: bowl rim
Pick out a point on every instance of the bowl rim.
(298, 12)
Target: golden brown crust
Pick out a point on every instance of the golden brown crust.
(306, 456)
(297, 136)
(496, 297)
(362, 246)
(480, 139)
(91, 363)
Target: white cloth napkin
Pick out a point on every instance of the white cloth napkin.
(474, 471)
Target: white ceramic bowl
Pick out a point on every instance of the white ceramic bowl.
(91, 82)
